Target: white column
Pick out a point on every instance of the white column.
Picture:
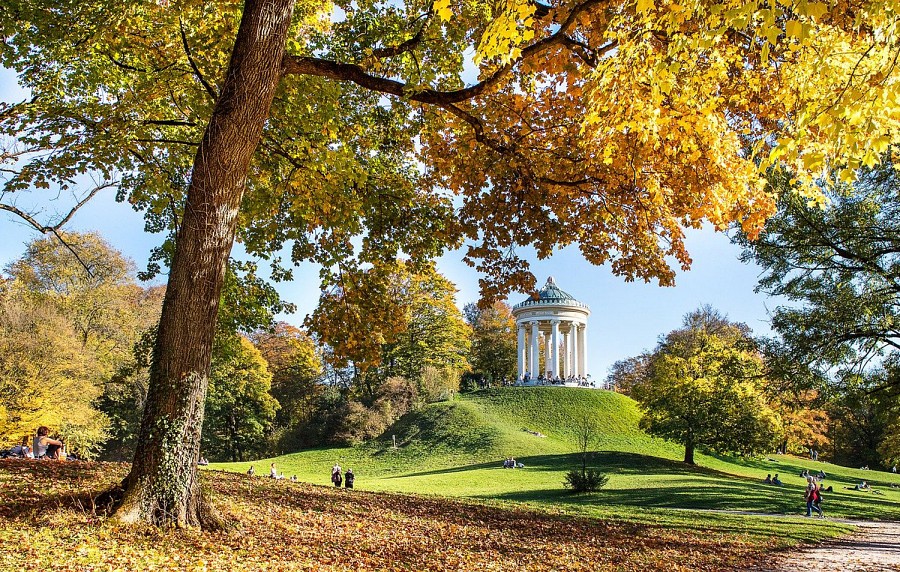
(563, 349)
(576, 353)
(570, 350)
(554, 337)
(520, 349)
(583, 352)
(547, 356)
(535, 350)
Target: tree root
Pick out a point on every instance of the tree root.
(134, 507)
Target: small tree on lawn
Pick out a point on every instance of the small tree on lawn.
(585, 480)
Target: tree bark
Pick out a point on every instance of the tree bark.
(689, 453)
(162, 487)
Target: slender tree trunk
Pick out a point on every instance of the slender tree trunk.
(689, 452)
(162, 487)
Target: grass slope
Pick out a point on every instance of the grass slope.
(455, 449)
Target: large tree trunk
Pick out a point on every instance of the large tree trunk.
(162, 487)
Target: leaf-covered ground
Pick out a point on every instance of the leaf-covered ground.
(46, 524)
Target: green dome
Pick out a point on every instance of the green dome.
(550, 294)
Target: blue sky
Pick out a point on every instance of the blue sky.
(626, 317)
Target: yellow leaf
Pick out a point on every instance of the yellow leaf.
(644, 6)
(793, 28)
(816, 10)
(812, 161)
(442, 8)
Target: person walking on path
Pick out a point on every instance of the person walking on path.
(813, 498)
(336, 476)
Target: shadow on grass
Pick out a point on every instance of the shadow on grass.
(675, 485)
(615, 462)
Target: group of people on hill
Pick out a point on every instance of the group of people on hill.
(42, 446)
(510, 463)
(579, 380)
(337, 478)
(347, 479)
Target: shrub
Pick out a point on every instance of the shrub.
(585, 480)
(439, 383)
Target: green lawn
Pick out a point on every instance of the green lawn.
(455, 449)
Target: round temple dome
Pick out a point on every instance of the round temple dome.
(550, 294)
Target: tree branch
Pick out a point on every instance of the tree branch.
(54, 229)
(405, 46)
(308, 65)
(187, 50)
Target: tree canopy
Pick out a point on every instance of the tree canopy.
(702, 387)
(393, 320)
(838, 266)
(609, 124)
(493, 351)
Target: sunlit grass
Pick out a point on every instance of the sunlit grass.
(456, 449)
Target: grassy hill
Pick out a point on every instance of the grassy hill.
(456, 449)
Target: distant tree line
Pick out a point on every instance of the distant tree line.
(77, 329)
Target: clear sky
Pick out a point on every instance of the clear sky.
(626, 318)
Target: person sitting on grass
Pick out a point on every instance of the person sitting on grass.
(768, 479)
(251, 471)
(21, 450)
(273, 472)
(44, 446)
(776, 481)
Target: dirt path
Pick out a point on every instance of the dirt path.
(875, 547)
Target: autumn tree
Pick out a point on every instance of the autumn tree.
(395, 319)
(436, 336)
(493, 351)
(611, 125)
(297, 371)
(239, 408)
(625, 374)
(94, 287)
(703, 388)
(44, 376)
(71, 312)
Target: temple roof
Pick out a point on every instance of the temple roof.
(550, 294)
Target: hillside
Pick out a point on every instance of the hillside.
(456, 449)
